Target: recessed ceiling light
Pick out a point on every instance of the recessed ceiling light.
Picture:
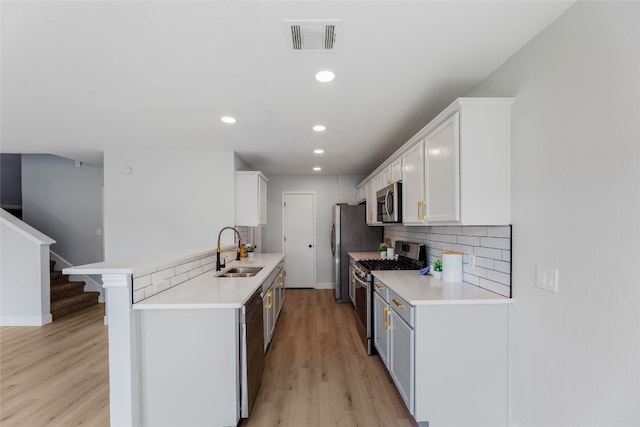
(317, 168)
(325, 76)
(318, 151)
(319, 128)
(228, 119)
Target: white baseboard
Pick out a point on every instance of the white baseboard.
(328, 285)
(90, 284)
(25, 321)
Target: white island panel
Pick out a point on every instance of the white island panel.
(189, 367)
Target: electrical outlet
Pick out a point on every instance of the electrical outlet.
(547, 278)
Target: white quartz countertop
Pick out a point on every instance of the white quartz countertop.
(426, 290)
(210, 291)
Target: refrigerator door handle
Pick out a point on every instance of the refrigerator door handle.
(333, 240)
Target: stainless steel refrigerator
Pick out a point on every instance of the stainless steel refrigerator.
(350, 233)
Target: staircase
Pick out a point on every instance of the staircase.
(66, 296)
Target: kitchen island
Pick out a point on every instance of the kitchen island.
(180, 336)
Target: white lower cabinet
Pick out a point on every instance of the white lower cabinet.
(402, 351)
(449, 361)
(272, 300)
(381, 333)
(394, 339)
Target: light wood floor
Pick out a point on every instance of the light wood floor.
(317, 373)
(57, 374)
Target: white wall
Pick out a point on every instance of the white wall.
(64, 202)
(171, 201)
(240, 164)
(576, 205)
(329, 189)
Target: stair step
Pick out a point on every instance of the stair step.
(57, 278)
(67, 289)
(73, 303)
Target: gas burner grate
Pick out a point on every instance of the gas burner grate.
(388, 264)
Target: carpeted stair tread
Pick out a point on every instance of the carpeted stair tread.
(73, 303)
(67, 296)
(66, 289)
(57, 278)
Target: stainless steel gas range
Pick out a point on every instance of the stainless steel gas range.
(410, 256)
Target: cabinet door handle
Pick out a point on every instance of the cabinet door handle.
(398, 303)
(422, 210)
(384, 320)
(388, 323)
(270, 300)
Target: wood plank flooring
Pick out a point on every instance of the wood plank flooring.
(317, 373)
(56, 374)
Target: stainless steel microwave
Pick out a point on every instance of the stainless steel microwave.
(389, 201)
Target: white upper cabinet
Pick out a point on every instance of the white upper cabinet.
(457, 169)
(361, 194)
(372, 204)
(392, 173)
(443, 171)
(468, 163)
(378, 183)
(251, 198)
(413, 185)
(396, 170)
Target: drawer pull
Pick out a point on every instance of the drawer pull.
(378, 286)
(398, 303)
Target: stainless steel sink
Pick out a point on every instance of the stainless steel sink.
(241, 272)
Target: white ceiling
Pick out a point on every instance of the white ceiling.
(82, 77)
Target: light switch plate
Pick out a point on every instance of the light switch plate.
(547, 278)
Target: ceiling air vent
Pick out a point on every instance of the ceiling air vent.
(312, 36)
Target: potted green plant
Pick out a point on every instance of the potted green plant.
(436, 270)
(382, 250)
(250, 249)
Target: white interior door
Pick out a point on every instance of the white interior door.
(299, 239)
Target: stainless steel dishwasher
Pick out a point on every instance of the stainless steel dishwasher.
(251, 351)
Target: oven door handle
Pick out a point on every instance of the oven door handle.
(360, 282)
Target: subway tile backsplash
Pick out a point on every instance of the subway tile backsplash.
(165, 277)
(170, 275)
(489, 246)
